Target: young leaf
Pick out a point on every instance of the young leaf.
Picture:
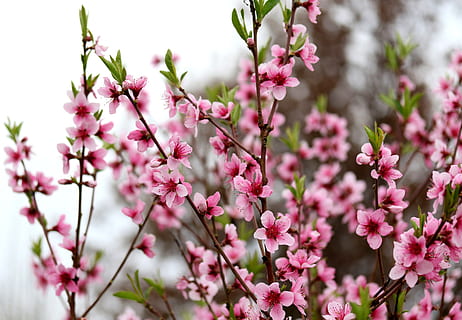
(237, 25)
(37, 247)
(268, 6)
(83, 21)
(129, 296)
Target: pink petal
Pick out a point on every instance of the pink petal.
(267, 219)
(374, 241)
(279, 92)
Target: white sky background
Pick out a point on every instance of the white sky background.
(40, 56)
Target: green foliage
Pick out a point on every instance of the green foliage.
(139, 295)
(37, 247)
(83, 21)
(376, 137)
(262, 8)
(14, 130)
(263, 51)
(299, 43)
(299, 188)
(362, 310)
(292, 139)
(400, 302)
(116, 67)
(451, 200)
(253, 264)
(410, 102)
(321, 103)
(398, 52)
(239, 25)
(171, 74)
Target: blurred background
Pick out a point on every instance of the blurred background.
(40, 57)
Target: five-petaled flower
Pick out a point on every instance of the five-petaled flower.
(274, 231)
(271, 297)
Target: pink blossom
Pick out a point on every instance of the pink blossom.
(307, 54)
(385, 170)
(67, 155)
(64, 279)
(278, 79)
(31, 213)
(440, 181)
(81, 108)
(171, 100)
(146, 244)
(220, 111)
(61, 227)
(271, 297)
(312, 6)
(128, 314)
(142, 136)
(337, 311)
(179, 153)
(171, 187)
(96, 158)
(82, 135)
(103, 133)
(208, 207)
(373, 225)
(274, 231)
(209, 266)
(135, 85)
(136, 213)
(411, 273)
(166, 217)
(113, 91)
(391, 200)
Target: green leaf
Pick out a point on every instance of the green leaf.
(321, 103)
(83, 21)
(299, 43)
(254, 264)
(14, 130)
(268, 6)
(376, 137)
(129, 296)
(157, 286)
(391, 101)
(236, 114)
(400, 302)
(240, 29)
(170, 77)
(292, 137)
(263, 51)
(37, 247)
(392, 58)
(363, 310)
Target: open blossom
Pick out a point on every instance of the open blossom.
(170, 186)
(146, 244)
(274, 231)
(135, 85)
(278, 79)
(142, 136)
(62, 227)
(271, 297)
(312, 6)
(81, 108)
(373, 225)
(83, 135)
(208, 207)
(179, 153)
(113, 91)
(64, 279)
(337, 311)
(386, 170)
(136, 213)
